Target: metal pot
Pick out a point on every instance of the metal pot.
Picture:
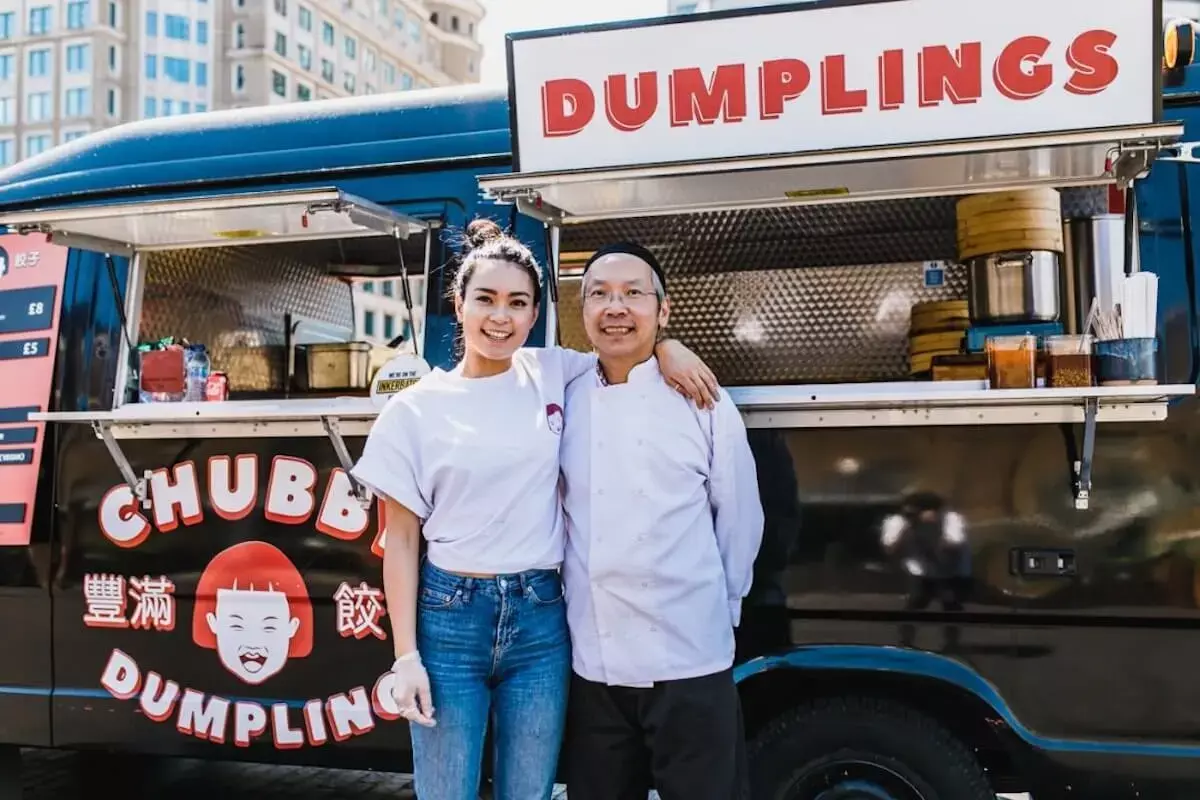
(1018, 286)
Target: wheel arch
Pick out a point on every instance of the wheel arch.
(950, 692)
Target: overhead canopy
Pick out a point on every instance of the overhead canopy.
(832, 101)
(215, 221)
(1086, 158)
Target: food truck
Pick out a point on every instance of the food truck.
(942, 260)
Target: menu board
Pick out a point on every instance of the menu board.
(31, 287)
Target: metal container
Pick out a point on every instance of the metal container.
(1018, 286)
(1093, 266)
(335, 365)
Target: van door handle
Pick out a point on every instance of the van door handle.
(1042, 563)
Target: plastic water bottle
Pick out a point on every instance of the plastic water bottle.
(198, 367)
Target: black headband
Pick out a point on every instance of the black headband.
(629, 249)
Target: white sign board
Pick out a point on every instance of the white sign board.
(830, 76)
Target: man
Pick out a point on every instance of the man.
(663, 523)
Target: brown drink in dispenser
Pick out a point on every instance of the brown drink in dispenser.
(1012, 362)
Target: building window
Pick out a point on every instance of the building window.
(470, 66)
(368, 287)
(304, 56)
(113, 15)
(70, 136)
(303, 93)
(168, 107)
(151, 66)
(37, 107)
(281, 7)
(454, 24)
(201, 32)
(39, 20)
(278, 83)
(389, 326)
(433, 18)
(8, 21)
(327, 70)
(387, 288)
(348, 82)
(369, 59)
(77, 14)
(406, 81)
(7, 151)
(239, 36)
(306, 19)
(185, 107)
(389, 74)
(400, 19)
(202, 74)
(150, 108)
(281, 44)
(414, 30)
(77, 58)
(112, 58)
(369, 323)
(350, 47)
(112, 103)
(177, 27)
(78, 102)
(327, 33)
(6, 66)
(39, 63)
(177, 69)
(36, 145)
(239, 79)
(8, 111)
(201, 108)
(152, 23)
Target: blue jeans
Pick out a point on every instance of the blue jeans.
(494, 648)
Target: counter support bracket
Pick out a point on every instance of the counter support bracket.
(136, 485)
(1083, 467)
(334, 431)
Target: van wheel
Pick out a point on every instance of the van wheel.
(860, 748)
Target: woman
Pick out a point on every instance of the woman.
(469, 459)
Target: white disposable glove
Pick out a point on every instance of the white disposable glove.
(410, 689)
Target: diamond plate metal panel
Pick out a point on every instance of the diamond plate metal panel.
(838, 234)
(233, 300)
(804, 294)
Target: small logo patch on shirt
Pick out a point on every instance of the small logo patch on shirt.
(554, 418)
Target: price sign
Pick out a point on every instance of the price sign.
(31, 285)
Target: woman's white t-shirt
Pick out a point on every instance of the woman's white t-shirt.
(477, 460)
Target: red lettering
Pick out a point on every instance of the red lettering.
(1010, 75)
(780, 80)
(623, 116)
(891, 80)
(695, 100)
(568, 105)
(957, 75)
(1094, 67)
(836, 98)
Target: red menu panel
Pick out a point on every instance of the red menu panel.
(31, 287)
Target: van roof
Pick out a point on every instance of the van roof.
(223, 149)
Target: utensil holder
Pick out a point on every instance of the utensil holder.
(1127, 362)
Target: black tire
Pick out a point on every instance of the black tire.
(861, 748)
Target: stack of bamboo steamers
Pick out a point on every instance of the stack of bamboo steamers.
(996, 222)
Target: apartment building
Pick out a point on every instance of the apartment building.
(68, 67)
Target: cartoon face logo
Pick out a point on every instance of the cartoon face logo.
(554, 418)
(4, 265)
(253, 608)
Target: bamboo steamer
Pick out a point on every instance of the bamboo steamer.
(937, 329)
(996, 222)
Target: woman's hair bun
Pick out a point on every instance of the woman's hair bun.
(482, 231)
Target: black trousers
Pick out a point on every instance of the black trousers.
(683, 738)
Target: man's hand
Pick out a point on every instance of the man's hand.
(687, 373)
(410, 689)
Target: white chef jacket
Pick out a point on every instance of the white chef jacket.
(663, 522)
(477, 460)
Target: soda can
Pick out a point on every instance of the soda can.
(217, 387)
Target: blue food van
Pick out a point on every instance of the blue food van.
(1042, 643)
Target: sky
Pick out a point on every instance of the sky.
(522, 15)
